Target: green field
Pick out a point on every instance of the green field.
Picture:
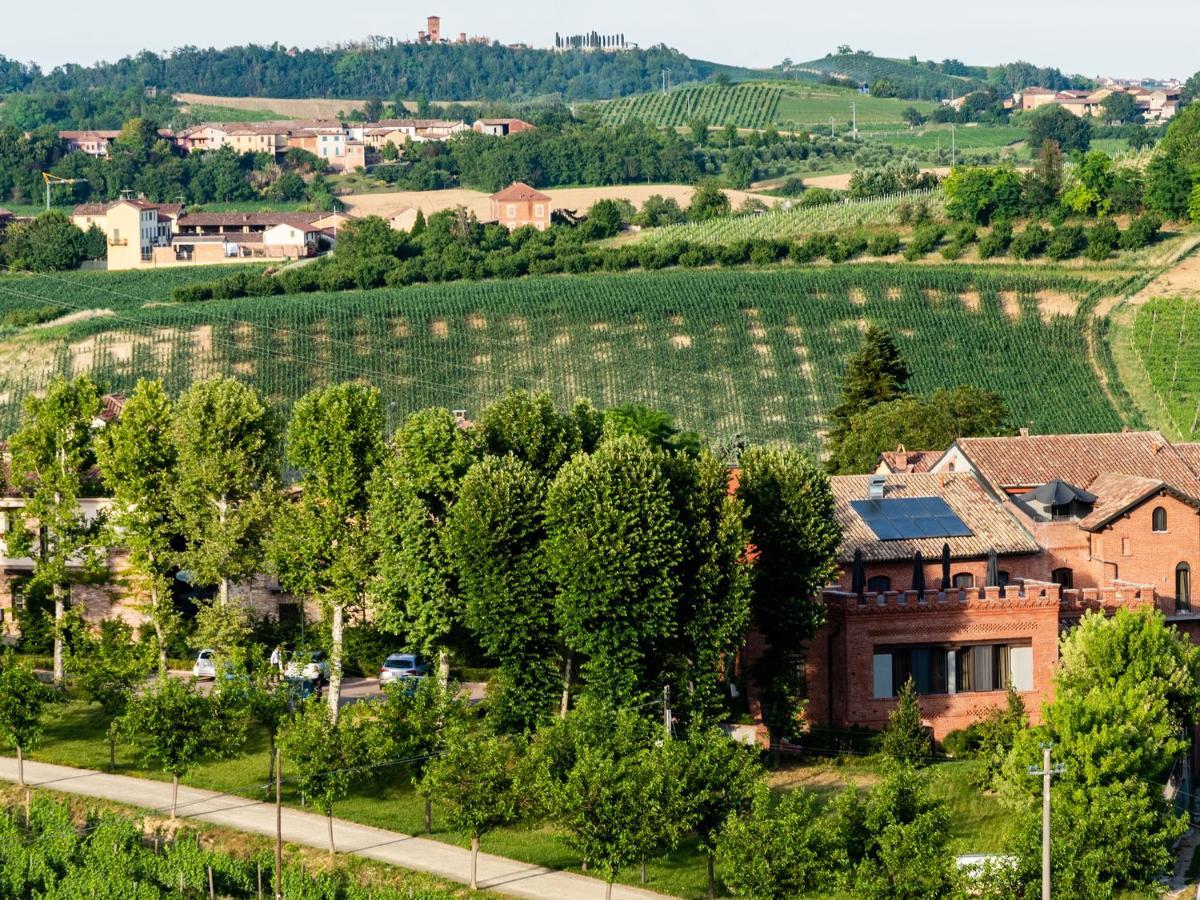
(207, 112)
(746, 105)
(755, 352)
(814, 105)
(1166, 340)
(965, 137)
(867, 68)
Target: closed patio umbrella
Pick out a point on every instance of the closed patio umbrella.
(858, 575)
(918, 576)
(945, 567)
(993, 569)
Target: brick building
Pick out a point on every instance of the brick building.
(519, 205)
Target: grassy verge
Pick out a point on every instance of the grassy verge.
(74, 735)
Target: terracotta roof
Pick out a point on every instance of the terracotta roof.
(111, 406)
(1190, 454)
(1120, 493)
(901, 460)
(992, 526)
(262, 220)
(1018, 463)
(99, 209)
(519, 190)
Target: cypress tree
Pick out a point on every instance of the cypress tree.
(875, 374)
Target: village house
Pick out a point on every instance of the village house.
(519, 205)
(501, 127)
(132, 228)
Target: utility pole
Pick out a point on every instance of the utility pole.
(666, 712)
(953, 142)
(831, 134)
(278, 829)
(854, 120)
(1046, 771)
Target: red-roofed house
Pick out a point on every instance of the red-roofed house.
(519, 205)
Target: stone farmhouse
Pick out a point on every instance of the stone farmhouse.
(1155, 104)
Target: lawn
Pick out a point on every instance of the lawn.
(74, 735)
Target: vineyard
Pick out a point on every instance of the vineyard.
(755, 352)
(1166, 340)
(867, 68)
(786, 224)
(746, 105)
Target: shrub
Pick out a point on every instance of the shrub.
(1141, 232)
(905, 739)
(763, 252)
(1030, 242)
(1066, 242)
(997, 241)
(925, 238)
(1102, 240)
(734, 254)
(885, 243)
(192, 293)
(961, 233)
(963, 742)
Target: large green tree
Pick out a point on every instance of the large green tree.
(320, 545)
(876, 373)
(795, 537)
(227, 444)
(1054, 123)
(1182, 140)
(52, 460)
(107, 665)
(49, 243)
(138, 461)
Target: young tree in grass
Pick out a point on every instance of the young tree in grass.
(52, 457)
(495, 535)
(776, 850)
(138, 462)
(226, 441)
(414, 591)
(319, 546)
(795, 536)
(614, 547)
(905, 739)
(106, 667)
(473, 781)
(174, 727)
(325, 753)
(22, 697)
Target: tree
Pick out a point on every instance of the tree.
(655, 426)
(226, 440)
(49, 243)
(1120, 108)
(657, 211)
(373, 109)
(22, 697)
(1043, 183)
(495, 534)
(1053, 123)
(473, 780)
(1194, 204)
(613, 547)
(979, 195)
(138, 462)
(905, 739)
(107, 666)
(324, 752)
(532, 430)
(1182, 140)
(876, 373)
(1191, 90)
(370, 237)
(914, 118)
(796, 536)
(1168, 185)
(173, 727)
(776, 850)
(708, 202)
(320, 543)
(52, 458)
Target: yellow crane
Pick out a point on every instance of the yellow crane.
(55, 179)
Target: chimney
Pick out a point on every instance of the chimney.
(875, 487)
(1023, 432)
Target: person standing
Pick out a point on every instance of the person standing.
(277, 658)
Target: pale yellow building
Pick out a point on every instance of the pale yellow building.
(133, 228)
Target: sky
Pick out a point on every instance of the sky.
(1089, 37)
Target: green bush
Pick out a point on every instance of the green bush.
(997, 241)
(924, 240)
(23, 318)
(1030, 242)
(1066, 242)
(885, 243)
(1141, 232)
(1102, 240)
(963, 742)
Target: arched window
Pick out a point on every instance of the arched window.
(1063, 577)
(964, 580)
(1158, 519)
(1183, 588)
(877, 584)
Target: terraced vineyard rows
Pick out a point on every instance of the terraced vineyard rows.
(1166, 339)
(747, 105)
(726, 351)
(785, 224)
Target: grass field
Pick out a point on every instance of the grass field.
(1166, 341)
(931, 137)
(207, 112)
(814, 105)
(755, 352)
(74, 735)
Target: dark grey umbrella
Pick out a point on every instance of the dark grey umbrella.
(993, 570)
(945, 567)
(918, 578)
(858, 575)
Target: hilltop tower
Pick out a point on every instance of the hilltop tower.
(433, 27)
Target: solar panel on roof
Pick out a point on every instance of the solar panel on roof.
(909, 518)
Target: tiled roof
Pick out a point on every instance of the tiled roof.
(1190, 453)
(519, 191)
(99, 209)
(1010, 463)
(261, 220)
(111, 406)
(991, 525)
(1119, 493)
(901, 460)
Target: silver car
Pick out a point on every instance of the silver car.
(311, 665)
(400, 666)
(206, 664)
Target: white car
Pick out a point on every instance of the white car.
(206, 664)
(401, 666)
(313, 666)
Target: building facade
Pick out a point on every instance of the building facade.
(519, 205)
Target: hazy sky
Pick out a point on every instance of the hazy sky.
(1085, 36)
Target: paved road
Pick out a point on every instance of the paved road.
(496, 873)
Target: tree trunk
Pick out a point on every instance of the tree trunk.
(59, 610)
(336, 631)
(712, 880)
(20, 767)
(223, 592)
(644, 879)
(271, 761)
(566, 691)
(428, 816)
(156, 615)
(443, 667)
(608, 890)
(474, 861)
(329, 824)
(174, 794)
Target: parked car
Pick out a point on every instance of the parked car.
(206, 664)
(308, 664)
(298, 689)
(400, 666)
